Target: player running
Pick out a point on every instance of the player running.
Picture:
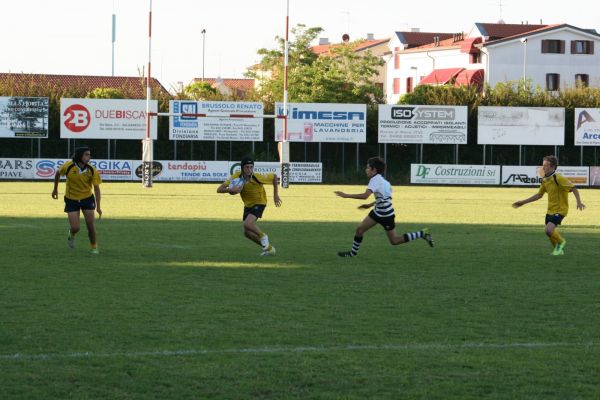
(383, 213)
(250, 186)
(558, 188)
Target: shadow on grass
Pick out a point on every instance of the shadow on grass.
(221, 244)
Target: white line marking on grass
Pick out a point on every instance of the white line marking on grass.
(300, 349)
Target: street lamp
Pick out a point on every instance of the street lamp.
(524, 41)
(203, 47)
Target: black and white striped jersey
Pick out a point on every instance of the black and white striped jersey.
(382, 190)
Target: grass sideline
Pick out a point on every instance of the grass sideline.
(179, 305)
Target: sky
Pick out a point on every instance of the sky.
(74, 36)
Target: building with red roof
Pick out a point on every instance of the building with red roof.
(133, 87)
(549, 56)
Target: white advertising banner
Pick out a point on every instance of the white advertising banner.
(299, 172)
(323, 122)
(587, 127)
(579, 176)
(45, 168)
(176, 171)
(453, 174)
(594, 176)
(105, 119)
(515, 175)
(16, 168)
(519, 175)
(214, 128)
(521, 125)
(186, 171)
(109, 170)
(422, 124)
(23, 117)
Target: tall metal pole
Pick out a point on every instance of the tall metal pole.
(284, 154)
(114, 36)
(112, 70)
(147, 155)
(203, 48)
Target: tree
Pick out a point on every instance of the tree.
(341, 76)
(105, 93)
(199, 91)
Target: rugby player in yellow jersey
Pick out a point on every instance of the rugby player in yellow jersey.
(252, 191)
(558, 188)
(81, 178)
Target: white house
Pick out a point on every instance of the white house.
(551, 56)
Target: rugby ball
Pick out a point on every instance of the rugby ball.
(236, 182)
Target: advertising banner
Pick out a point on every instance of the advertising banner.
(519, 175)
(514, 175)
(16, 168)
(299, 172)
(579, 176)
(105, 119)
(452, 174)
(521, 125)
(185, 171)
(422, 124)
(587, 127)
(594, 176)
(109, 170)
(323, 122)
(214, 128)
(23, 117)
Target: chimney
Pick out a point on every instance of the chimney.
(370, 36)
(415, 29)
(323, 41)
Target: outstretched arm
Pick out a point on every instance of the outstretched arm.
(533, 198)
(359, 196)
(276, 197)
(580, 205)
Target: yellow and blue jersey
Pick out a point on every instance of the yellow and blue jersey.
(558, 188)
(253, 192)
(79, 181)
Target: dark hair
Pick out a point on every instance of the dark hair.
(377, 163)
(79, 152)
(247, 160)
(552, 160)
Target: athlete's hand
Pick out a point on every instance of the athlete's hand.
(277, 200)
(517, 204)
(365, 206)
(580, 206)
(55, 194)
(341, 194)
(99, 211)
(236, 189)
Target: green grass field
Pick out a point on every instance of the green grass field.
(179, 305)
